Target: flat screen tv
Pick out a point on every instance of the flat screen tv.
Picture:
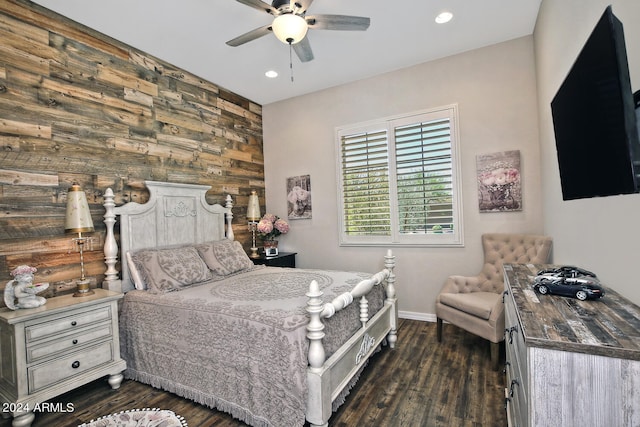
(594, 118)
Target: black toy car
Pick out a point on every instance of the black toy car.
(568, 281)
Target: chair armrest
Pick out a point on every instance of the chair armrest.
(497, 312)
(497, 320)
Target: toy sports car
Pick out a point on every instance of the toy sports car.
(568, 281)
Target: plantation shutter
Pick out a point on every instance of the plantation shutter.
(365, 184)
(424, 177)
(398, 181)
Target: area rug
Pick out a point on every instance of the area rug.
(146, 417)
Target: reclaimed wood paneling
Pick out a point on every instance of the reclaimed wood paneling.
(79, 106)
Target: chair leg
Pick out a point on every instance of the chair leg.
(495, 355)
(439, 329)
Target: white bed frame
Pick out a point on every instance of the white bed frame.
(179, 214)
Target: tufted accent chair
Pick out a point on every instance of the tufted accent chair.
(475, 303)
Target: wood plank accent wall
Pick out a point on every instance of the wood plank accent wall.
(78, 106)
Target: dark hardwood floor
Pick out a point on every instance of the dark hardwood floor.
(422, 383)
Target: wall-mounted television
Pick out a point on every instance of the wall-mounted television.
(594, 118)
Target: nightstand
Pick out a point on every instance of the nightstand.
(283, 259)
(49, 350)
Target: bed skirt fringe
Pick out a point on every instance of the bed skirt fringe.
(213, 402)
(208, 400)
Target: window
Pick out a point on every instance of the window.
(399, 181)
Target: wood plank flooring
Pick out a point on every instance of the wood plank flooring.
(422, 383)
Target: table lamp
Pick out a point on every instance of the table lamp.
(253, 216)
(78, 220)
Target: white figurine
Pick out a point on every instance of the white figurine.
(23, 288)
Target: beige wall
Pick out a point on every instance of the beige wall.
(494, 88)
(601, 234)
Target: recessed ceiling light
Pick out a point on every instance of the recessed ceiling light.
(272, 74)
(444, 17)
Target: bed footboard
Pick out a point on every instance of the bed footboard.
(328, 377)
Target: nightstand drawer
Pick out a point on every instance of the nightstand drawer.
(72, 340)
(67, 323)
(46, 374)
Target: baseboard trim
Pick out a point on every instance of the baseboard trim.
(412, 315)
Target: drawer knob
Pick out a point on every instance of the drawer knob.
(74, 323)
(75, 364)
(75, 341)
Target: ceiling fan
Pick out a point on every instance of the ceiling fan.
(290, 24)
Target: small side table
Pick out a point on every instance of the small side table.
(283, 259)
(57, 347)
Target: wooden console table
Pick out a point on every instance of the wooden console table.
(569, 362)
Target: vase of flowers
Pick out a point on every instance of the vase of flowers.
(270, 227)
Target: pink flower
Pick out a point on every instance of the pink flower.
(265, 226)
(270, 217)
(281, 225)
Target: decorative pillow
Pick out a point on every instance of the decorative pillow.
(167, 270)
(224, 257)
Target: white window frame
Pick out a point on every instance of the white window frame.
(451, 239)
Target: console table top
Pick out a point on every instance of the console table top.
(609, 326)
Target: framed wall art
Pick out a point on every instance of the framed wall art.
(499, 182)
(299, 197)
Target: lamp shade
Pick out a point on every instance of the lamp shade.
(253, 209)
(78, 219)
(290, 28)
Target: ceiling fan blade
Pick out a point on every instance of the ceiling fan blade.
(338, 22)
(251, 35)
(301, 6)
(303, 50)
(260, 5)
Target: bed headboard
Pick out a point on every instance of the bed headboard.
(175, 214)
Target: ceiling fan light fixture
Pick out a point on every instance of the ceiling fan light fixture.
(290, 28)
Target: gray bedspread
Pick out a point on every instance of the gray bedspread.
(239, 344)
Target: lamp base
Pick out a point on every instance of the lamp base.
(83, 289)
(254, 253)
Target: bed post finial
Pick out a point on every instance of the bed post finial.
(111, 281)
(229, 217)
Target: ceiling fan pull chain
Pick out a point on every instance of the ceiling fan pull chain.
(291, 61)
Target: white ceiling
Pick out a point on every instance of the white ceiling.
(191, 34)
